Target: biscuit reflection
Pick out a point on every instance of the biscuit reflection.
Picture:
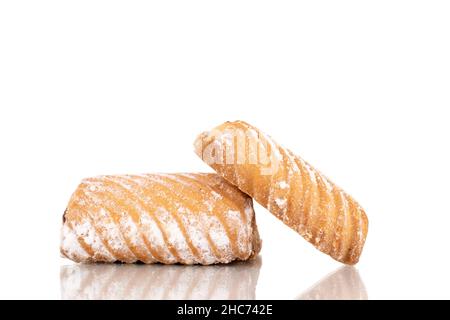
(115, 281)
(343, 284)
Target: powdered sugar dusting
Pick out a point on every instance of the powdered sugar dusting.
(281, 203)
(112, 233)
(220, 238)
(155, 237)
(70, 245)
(87, 232)
(326, 182)
(175, 236)
(234, 218)
(129, 209)
(197, 235)
(102, 217)
(216, 196)
(283, 185)
(227, 138)
(147, 225)
(249, 211)
(132, 233)
(343, 216)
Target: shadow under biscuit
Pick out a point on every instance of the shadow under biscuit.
(343, 284)
(121, 281)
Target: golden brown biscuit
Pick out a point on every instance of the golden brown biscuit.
(167, 218)
(289, 187)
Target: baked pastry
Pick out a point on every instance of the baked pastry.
(234, 281)
(289, 187)
(167, 218)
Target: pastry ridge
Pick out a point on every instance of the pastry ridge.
(187, 218)
(289, 187)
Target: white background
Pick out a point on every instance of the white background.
(360, 89)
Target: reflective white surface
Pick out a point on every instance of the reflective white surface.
(343, 284)
(359, 89)
(235, 281)
(120, 281)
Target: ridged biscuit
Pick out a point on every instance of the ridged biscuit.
(289, 187)
(166, 218)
